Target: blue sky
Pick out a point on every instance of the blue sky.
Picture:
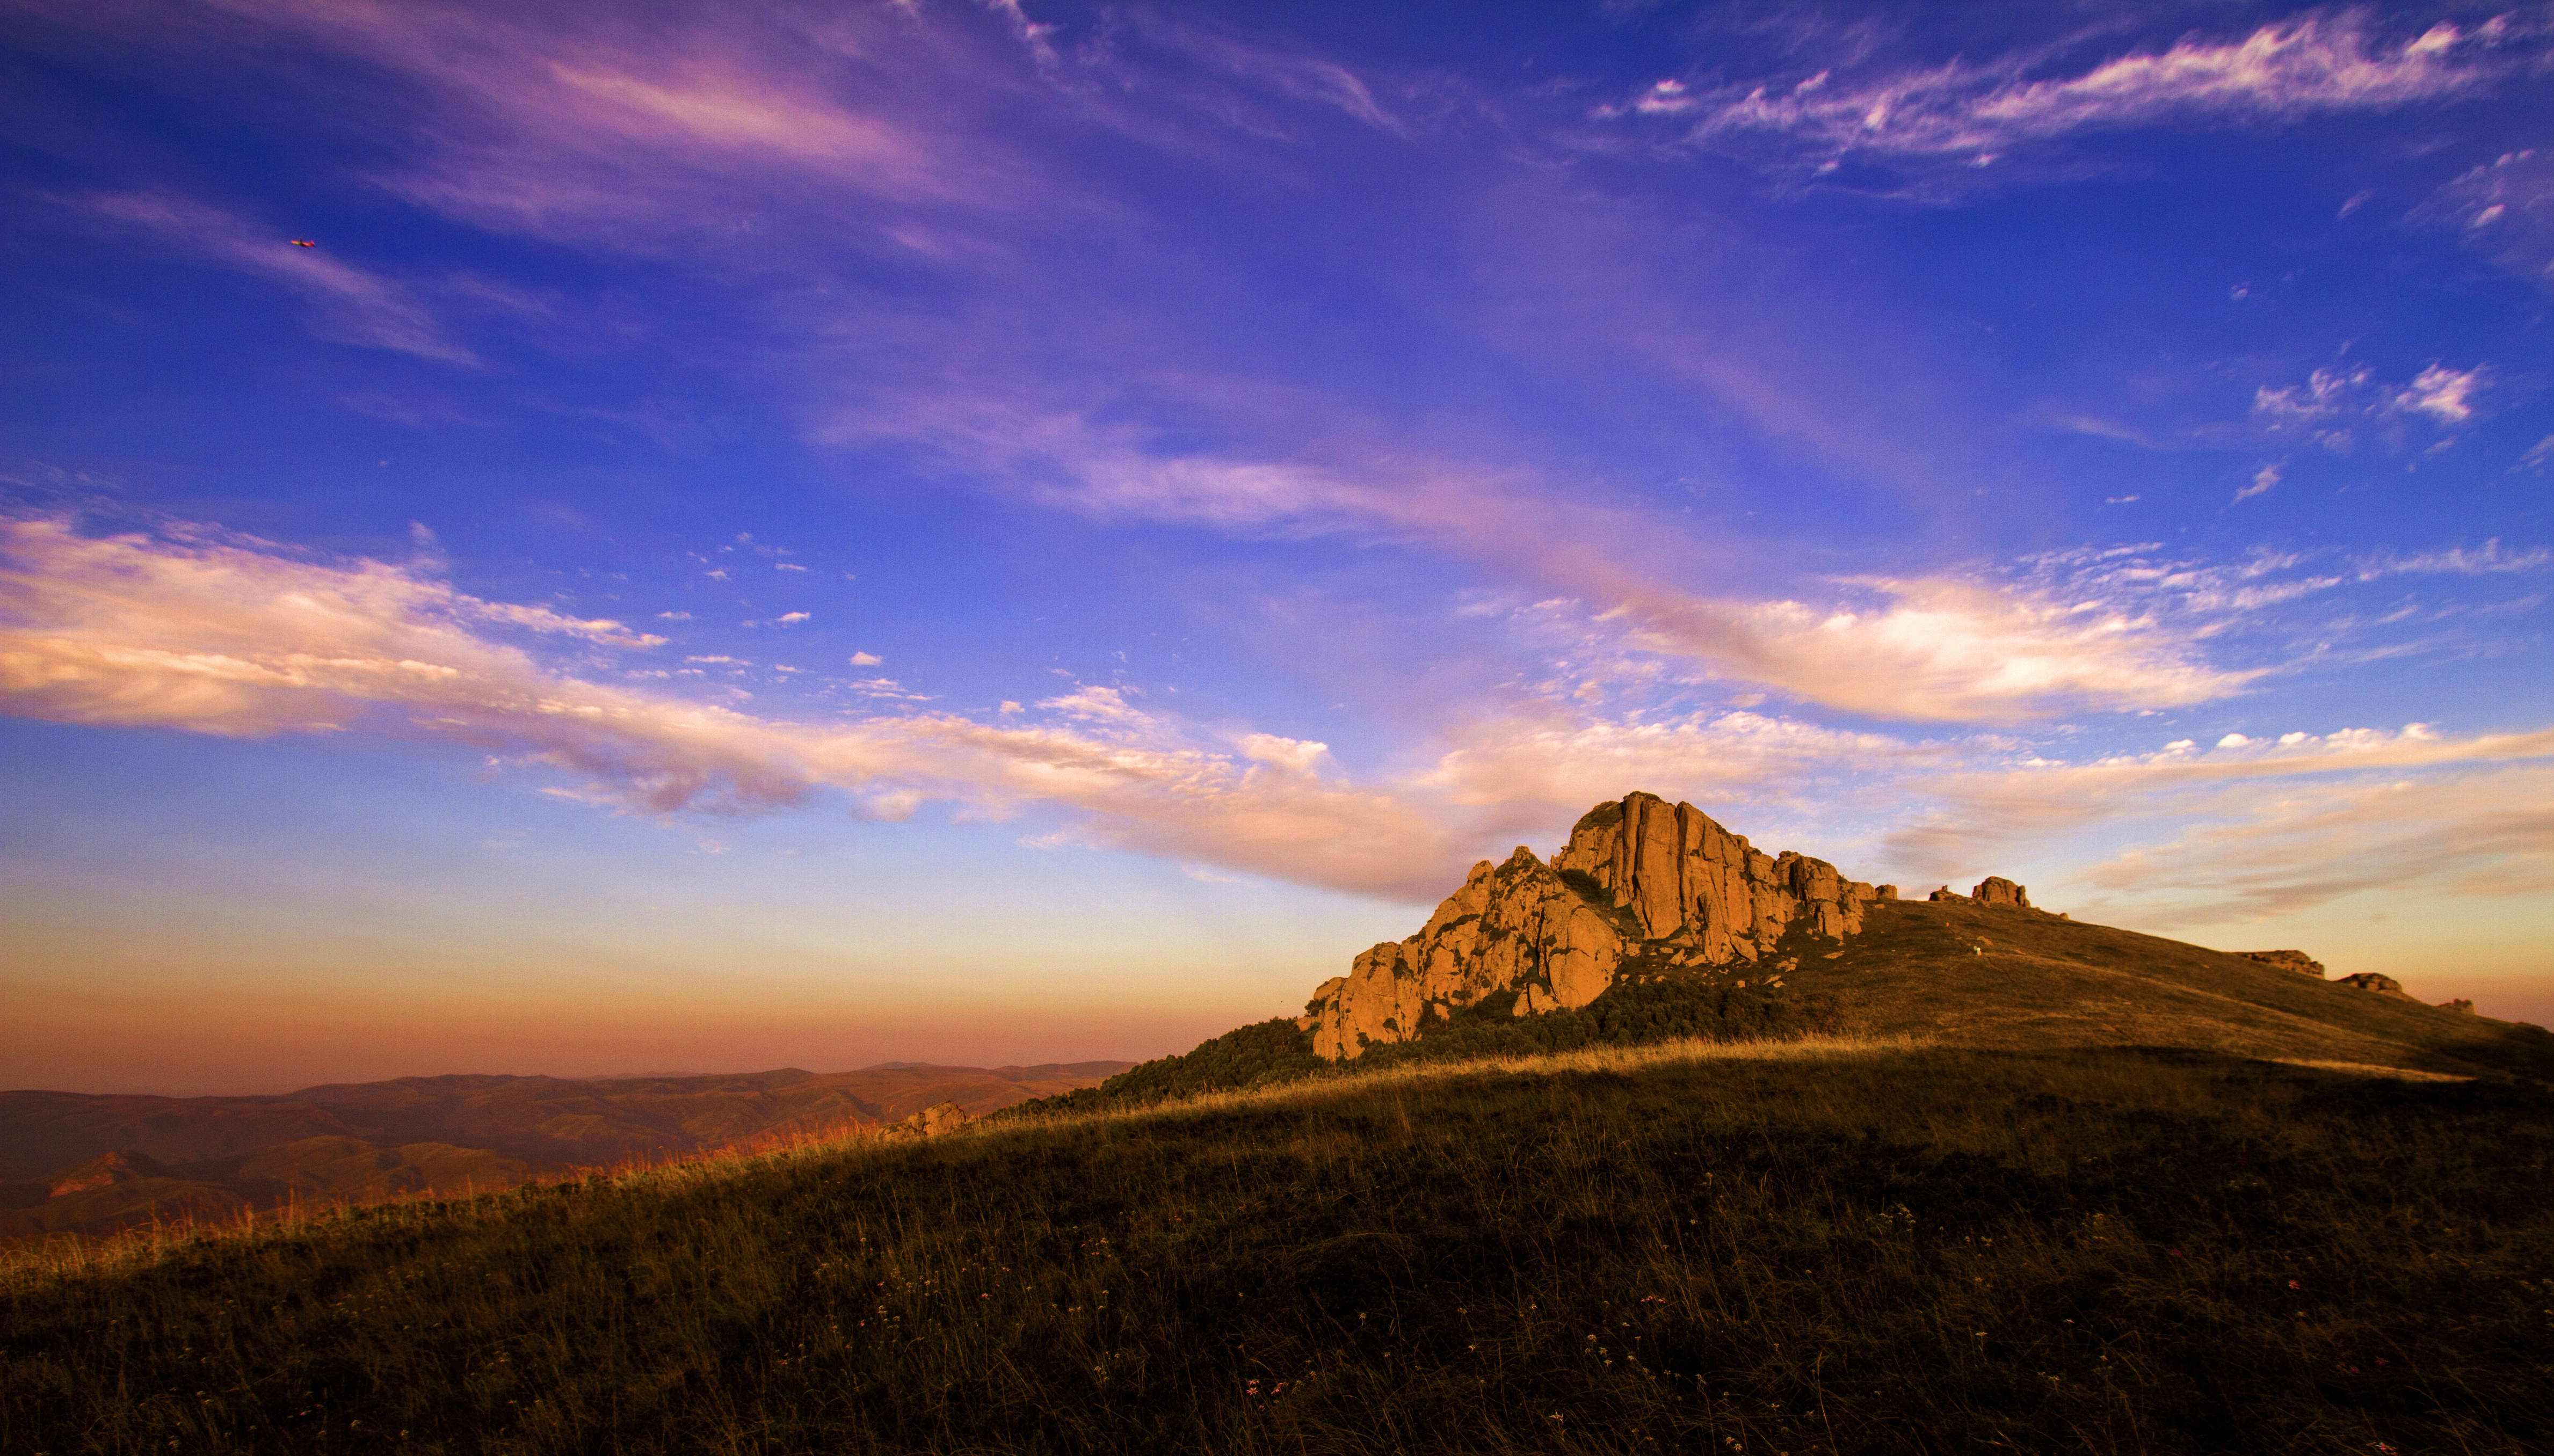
(1009, 531)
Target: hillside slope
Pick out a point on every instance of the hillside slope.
(1967, 973)
(1822, 1248)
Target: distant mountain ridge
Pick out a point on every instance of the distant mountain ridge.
(73, 1161)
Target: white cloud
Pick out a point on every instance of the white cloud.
(1940, 650)
(1294, 755)
(1095, 704)
(791, 619)
(2444, 393)
(2263, 480)
(2506, 208)
(1973, 113)
(865, 659)
(2325, 394)
(1548, 763)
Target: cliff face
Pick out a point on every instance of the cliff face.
(1641, 881)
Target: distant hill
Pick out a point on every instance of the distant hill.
(73, 1162)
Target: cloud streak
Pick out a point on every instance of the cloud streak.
(2485, 833)
(1973, 114)
(192, 630)
(1977, 816)
(1933, 649)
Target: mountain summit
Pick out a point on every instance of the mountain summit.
(1642, 886)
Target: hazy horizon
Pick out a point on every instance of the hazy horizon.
(992, 532)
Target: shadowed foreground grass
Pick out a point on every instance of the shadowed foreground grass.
(1893, 1250)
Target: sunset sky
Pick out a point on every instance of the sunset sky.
(1014, 532)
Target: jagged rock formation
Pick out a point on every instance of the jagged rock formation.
(1641, 884)
(2460, 1005)
(2297, 961)
(2369, 980)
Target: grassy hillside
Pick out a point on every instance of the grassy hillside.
(1944, 972)
(1819, 1248)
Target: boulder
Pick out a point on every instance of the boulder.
(1641, 879)
(1947, 893)
(1995, 889)
(2369, 980)
(2297, 961)
(930, 1122)
(2460, 1005)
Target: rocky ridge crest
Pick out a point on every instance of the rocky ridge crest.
(1642, 885)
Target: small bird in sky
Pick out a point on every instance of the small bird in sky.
(304, 243)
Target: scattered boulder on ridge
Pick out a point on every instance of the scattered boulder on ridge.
(2369, 980)
(2297, 961)
(1995, 889)
(2460, 1005)
(1641, 882)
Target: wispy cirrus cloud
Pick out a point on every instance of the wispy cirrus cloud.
(1974, 112)
(1924, 649)
(2483, 832)
(1310, 78)
(346, 303)
(1976, 816)
(2505, 207)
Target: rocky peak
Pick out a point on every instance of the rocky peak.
(1641, 880)
(2297, 961)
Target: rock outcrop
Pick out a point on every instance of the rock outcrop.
(2461, 1005)
(930, 1122)
(1642, 883)
(1995, 889)
(2297, 961)
(2369, 980)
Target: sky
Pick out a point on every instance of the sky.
(581, 539)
